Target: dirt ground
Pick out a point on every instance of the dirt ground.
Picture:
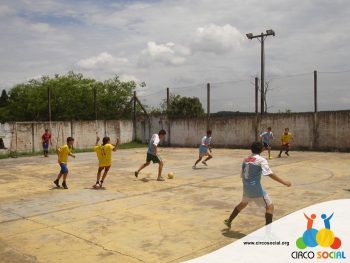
(140, 219)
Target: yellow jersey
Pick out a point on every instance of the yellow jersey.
(63, 153)
(104, 154)
(285, 138)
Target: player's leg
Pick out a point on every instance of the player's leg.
(104, 174)
(269, 214)
(208, 158)
(99, 171)
(269, 209)
(281, 150)
(269, 151)
(64, 183)
(160, 169)
(287, 149)
(199, 159)
(141, 167)
(56, 182)
(235, 212)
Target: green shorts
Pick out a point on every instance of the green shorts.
(153, 158)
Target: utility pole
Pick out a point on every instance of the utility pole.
(315, 90)
(261, 37)
(208, 106)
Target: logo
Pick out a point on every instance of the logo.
(324, 238)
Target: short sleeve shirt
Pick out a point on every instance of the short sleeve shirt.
(285, 138)
(63, 153)
(154, 141)
(104, 154)
(253, 167)
(267, 136)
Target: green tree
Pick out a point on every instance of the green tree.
(184, 107)
(4, 98)
(72, 98)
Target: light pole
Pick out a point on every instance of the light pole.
(261, 37)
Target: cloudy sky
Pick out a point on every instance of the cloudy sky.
(183, 45)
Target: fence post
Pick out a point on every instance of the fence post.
(49, 103)
(208, 106)
(167, 109)
(134, 118)
(33, 138)
(315, 118)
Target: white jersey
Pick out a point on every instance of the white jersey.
(153, 142)
(252, 168)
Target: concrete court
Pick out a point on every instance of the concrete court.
(142, 220)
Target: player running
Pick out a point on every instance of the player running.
(204, 150)
(266, 137)
(286, 137)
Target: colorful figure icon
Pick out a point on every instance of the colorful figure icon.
(326, 220)
(323, 237)
(310, 221)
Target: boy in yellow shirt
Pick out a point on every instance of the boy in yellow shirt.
(104, 155)
(286, 137)
(63, 152)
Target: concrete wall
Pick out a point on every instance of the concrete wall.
(324, 131)
(26, 136)
(321, 131)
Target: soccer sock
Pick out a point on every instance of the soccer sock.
(97, 182)
(268, 218)
(101, 182)
(234, 213)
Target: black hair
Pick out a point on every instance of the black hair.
(256, 147)
(162, 132)
(269, 128)
(208, 132)
(69, 139)
(105, 140)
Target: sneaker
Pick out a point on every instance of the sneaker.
(227, 223)
(96, 186)
(270, 158)
(194, 167)
(204, 163)
(279, 156)
(64, 185)
(136, 174)
(56, 182)
(287, 154)
(160, 179)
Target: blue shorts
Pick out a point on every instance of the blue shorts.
(203, 151)
(266, 144)
(45, 146)
(64, 168)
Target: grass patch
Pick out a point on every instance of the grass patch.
(129, 145)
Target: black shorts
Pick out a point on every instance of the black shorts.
(153, 158)
(266, 145)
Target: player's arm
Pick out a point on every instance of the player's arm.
(155, 149)
(70, 153)
(97, 140)
(280, 180)
(116, 145)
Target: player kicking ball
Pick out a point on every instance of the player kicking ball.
(204, 150)
(104, 155)
(152, 154)
(253, 167)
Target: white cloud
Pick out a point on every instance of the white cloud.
(127, 77)
(101, 60)
(41, 27)
(5, 10)
(217, 39)
(168, 54)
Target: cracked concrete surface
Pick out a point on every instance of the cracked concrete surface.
(140, 219)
